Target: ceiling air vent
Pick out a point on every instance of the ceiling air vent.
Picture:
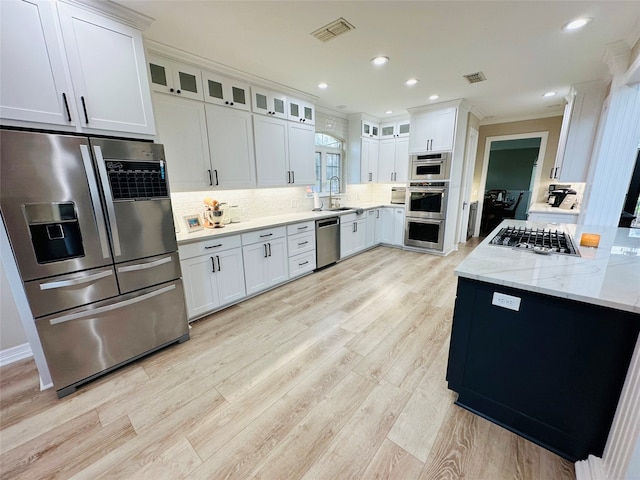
(475, 77)
(332, 30)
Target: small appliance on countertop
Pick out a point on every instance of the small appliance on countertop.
(398, 195)
(562, 196)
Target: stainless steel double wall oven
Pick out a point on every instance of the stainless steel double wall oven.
(426, 201)
(91, 227)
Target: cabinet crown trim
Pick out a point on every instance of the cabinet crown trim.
(114, 11)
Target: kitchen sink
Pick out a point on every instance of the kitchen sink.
(338, 209)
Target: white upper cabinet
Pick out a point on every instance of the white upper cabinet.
(175, 78)
(231, 147)
(395, 129)
(102, 58)
(433, 131)
(302, 165)
(271, 137)
(269, 103)
(302, 112)
(182, 129)
(108, 69)
(33, 83)
(369, 160)
(577, 134)
(221, 90)
(370, 129)
(393, 160)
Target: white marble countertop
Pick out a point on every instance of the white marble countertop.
(546, 208)
(608, 275)
(183, 236)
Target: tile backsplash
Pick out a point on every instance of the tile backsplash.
(264, 202)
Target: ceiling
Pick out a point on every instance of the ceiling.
(518, 45)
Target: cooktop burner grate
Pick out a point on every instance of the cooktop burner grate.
(543, 240)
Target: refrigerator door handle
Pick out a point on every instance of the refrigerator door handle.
(75, 281)
(108, 199)
(95, 200)
(108, 308)
(144, 266)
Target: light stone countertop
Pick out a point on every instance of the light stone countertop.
(608, 275)
(546, 208)
(184, 237)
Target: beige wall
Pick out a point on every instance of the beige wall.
(550, 124)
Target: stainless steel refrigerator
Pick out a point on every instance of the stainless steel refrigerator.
(91, 228)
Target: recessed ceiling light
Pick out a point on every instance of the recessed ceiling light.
(389, 112)
(380, 60)
(577, 23)
(549, 94)
(411, 81)
(322, 85)
(434, 97)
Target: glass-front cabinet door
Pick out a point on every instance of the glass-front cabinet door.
(174, 78)
(299, 111)
(370, 129)
(225, 91)
(269, 103)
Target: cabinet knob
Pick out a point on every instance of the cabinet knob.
(171, 90)
(226, 103)
(178, 91)
(231, 103)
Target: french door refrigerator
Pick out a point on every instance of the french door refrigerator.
(91, 228)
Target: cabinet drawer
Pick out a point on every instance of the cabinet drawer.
(303, 263)
(263, 235)
(211, 245)
(302, 242)
(300, 228)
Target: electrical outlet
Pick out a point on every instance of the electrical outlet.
(506, 301)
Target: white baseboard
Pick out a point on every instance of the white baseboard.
(14, 354)
(590, 469)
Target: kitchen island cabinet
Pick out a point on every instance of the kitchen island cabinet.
(548, 361)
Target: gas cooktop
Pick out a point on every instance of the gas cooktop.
(538, 240)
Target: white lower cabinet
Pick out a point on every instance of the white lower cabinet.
(392, 226)
(372, 223)
(353, 232)
(301, 240)
(215, 279)
(265, 258)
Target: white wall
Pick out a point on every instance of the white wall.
(11, 331)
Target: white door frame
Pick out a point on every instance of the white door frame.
(467, 183)
(485, 167)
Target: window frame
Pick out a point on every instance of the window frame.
(324, 150)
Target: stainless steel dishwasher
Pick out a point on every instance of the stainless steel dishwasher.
(327, 241)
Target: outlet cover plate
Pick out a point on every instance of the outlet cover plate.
(506, 301)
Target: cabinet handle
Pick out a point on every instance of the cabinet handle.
(293, 176)
(213, 246)
(217, 182)
(84, 108)
(266, 235)
(377, 213)
(265, 250)
(303, 263)
(370, 177)
(66, 106)
(303, 227)
(218, 258)
(269, 248)
(302, 243)
(288, 176)
(213, 265)
(210, 178)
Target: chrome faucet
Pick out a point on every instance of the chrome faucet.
(331, 190)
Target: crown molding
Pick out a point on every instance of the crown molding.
(522, 118)
(114, 11)
(617, 56)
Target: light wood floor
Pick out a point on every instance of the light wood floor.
(338, 375)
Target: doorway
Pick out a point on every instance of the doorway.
(510, 174)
